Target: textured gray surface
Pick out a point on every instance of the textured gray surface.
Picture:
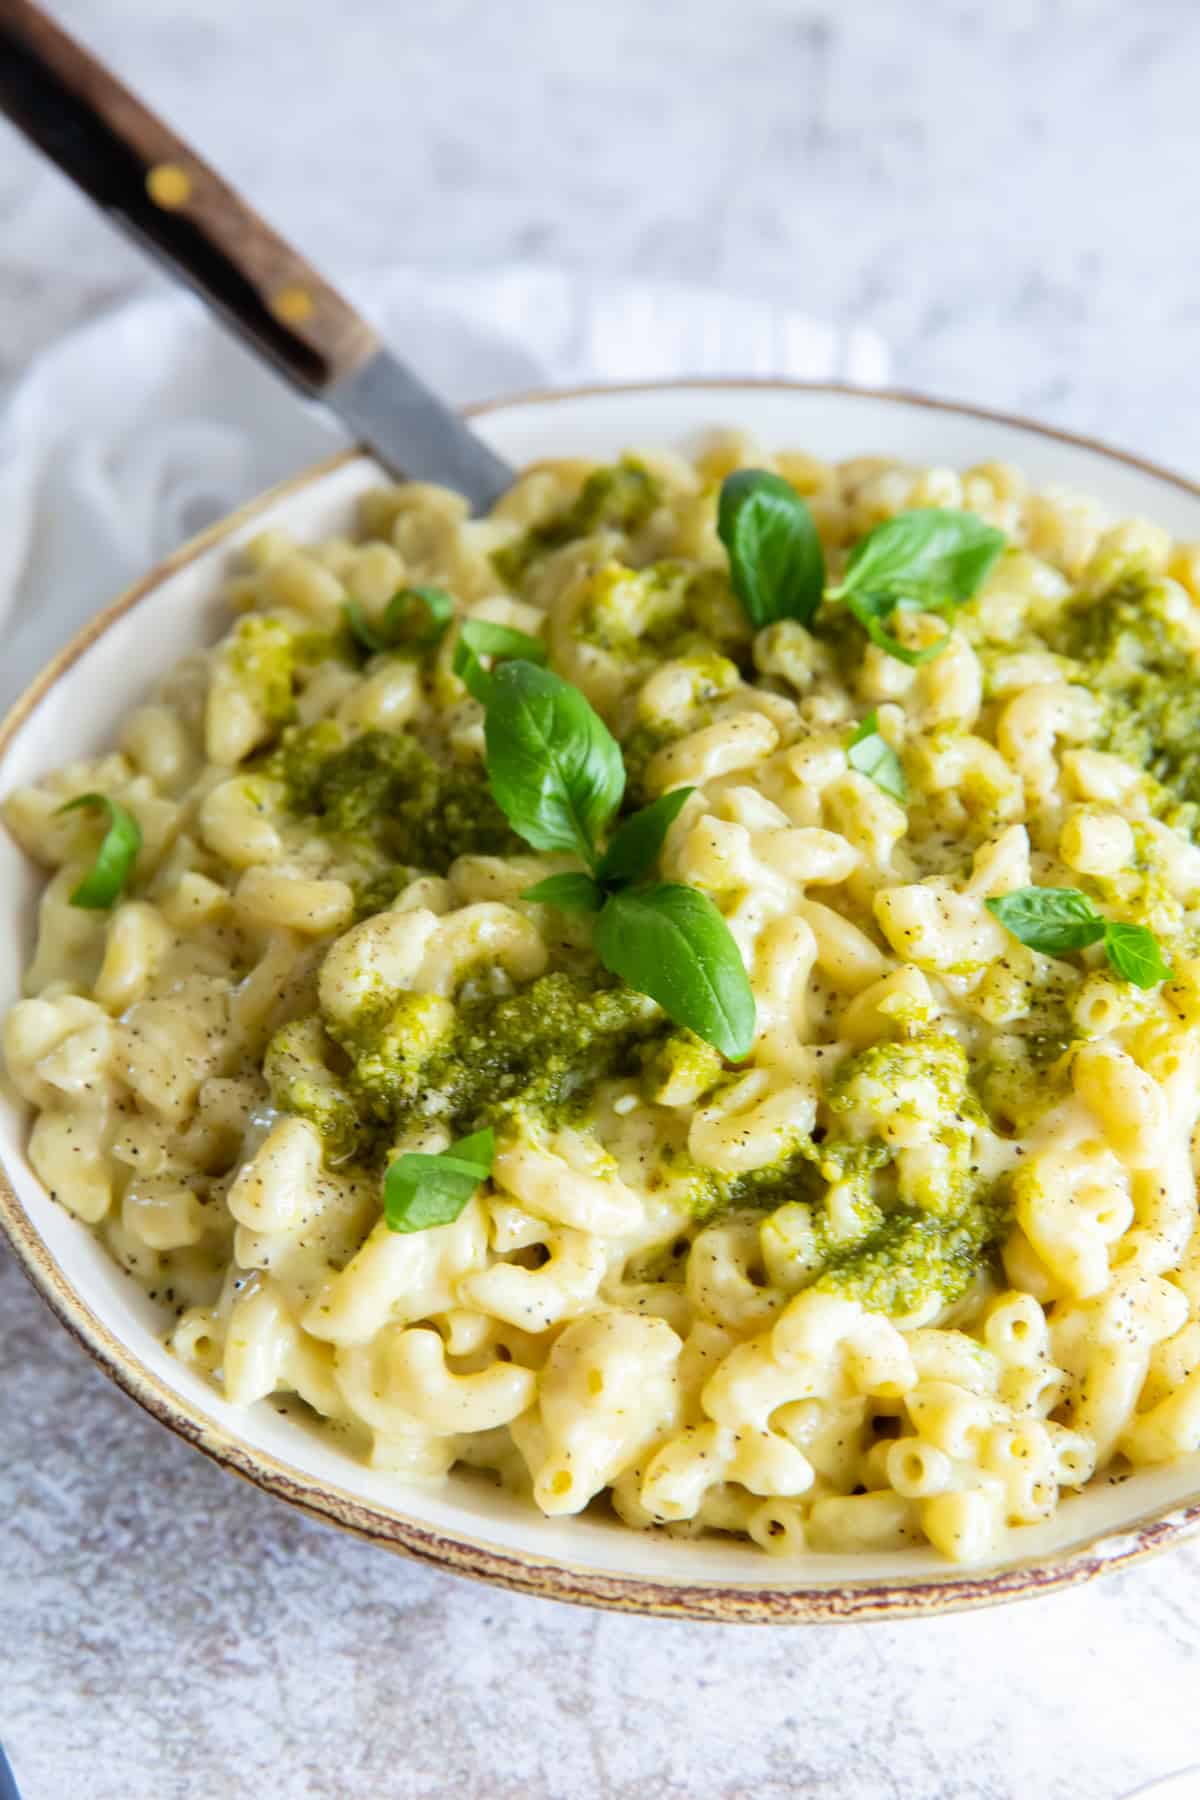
(170, 1634)
(1002, 191)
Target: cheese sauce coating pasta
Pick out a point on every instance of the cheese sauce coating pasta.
(921, 1265)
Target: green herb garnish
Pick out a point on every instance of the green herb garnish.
(928, 560)
(570, 892)
(869, 753)
(1058, 920)
(118, 852)
(931, 559)
(415, 616)
(776, 563)
(554, 768)
(481, 637)
(1134, 953)
(422, 1191)
(634, 846)
(557, 774)
(670, 942)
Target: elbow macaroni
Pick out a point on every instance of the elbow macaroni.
(921, 1266)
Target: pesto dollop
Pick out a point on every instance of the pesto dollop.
(913, 1257)
(620, 498)
(384, 788)
(1134, 657)
(538, 1052)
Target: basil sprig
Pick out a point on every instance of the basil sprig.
(869, 753)
(776, 562)
(558, 776)
(1058, 920)
(555, 769)
(570, 892)
(101, 886)
(416, 616)
(482, 637)
(1134, 953)
(421, 1191)
(634, 846)
(931, 559)
(669, 941)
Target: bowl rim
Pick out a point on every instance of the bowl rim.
(525, 1571)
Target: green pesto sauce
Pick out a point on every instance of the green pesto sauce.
(539, 1052)
(680, 1061)
(872, 1079)
(262, 654)
(914, 1255)
(1132, 656)
(384, 788)
(381, 890)
(639, 747)
(901, 1252)
(266, 656)
(301, 1081)
(665, 611)
(1022, 1076)
(708, 1194)
(620, 498)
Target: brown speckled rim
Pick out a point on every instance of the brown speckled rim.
(522, 1572)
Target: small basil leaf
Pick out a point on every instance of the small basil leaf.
(776, 563)
(571, 892)
(416, 616)
(1053, 920)
(670, 942)
(871, 610)
(481, 637)
(421, 1191)
(870, 754)
(361, 628)
(118, 851)
(1134, 953)
(636, 843)
(932, 557)
(554, 769)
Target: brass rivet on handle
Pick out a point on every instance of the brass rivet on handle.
(169, 185)
(292, 305)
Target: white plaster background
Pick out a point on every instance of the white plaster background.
(1005, 192)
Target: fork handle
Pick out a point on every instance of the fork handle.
(150, 182)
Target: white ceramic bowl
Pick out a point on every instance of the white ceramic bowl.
(74, 709)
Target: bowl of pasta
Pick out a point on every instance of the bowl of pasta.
(643, 1047)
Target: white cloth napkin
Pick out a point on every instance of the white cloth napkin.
(128, 435)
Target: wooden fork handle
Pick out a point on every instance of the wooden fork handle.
(151, 183)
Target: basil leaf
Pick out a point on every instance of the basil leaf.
(118, 852)
(554, 769)
(637, 841)
(776, 563)
(670, 942)
(871, 610)
(416, 615)
(870, 754)
(1134, 953)
(361, 628)
(933, 557)
(572, 892)
(421, 1191)
(481, 637)
(1053, 920)
(428, 609)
